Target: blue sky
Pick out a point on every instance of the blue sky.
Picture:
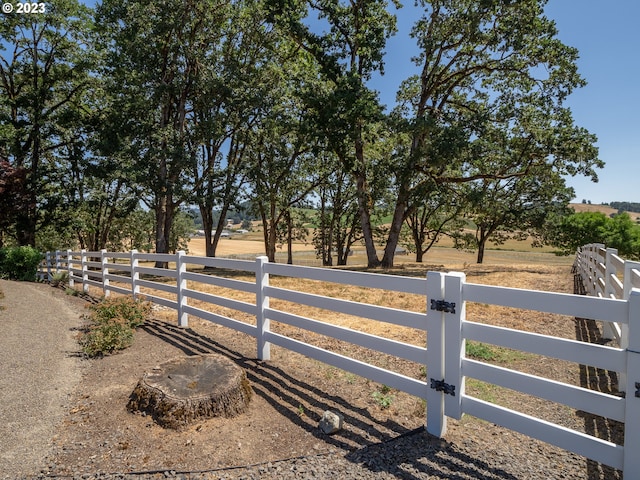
(608, 39)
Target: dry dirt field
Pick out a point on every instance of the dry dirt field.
(291, 392)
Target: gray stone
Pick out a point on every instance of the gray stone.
(331, 422)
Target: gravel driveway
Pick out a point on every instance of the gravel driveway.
(40, 369)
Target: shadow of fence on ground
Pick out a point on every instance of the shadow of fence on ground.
(378, 446)
(285, 393)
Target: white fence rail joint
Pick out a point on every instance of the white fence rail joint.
(614, 286)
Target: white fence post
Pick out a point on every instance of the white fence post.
(628, 276)
(72, 283)
(181, 269)
(594, 268)
(455, 313)
(436, 419)
(631, 464)
(48, 260)
(104, 265)
(607, 328)
(58, 255)
(262, 303)
(135, 275)
(85, 270)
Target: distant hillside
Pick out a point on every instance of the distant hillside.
(606, 209)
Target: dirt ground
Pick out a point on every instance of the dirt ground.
(291, 393)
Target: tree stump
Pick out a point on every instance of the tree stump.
(185, 389)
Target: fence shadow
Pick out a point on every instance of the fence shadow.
(377, 446)
(286, 393)
(418, 455)
(600, 380)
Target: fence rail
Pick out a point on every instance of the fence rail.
(613, 283)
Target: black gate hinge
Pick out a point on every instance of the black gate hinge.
(637, 389)
(443, 306)
(441, 386)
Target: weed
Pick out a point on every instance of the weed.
(480, 351)
(300, 410)
(490, 353)
(383, 397)
(330, 373)
(60, 278)
(484, 391)
(350, 378)
(420, 407)
(71, 291)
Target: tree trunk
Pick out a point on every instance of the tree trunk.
(480, 256)
(161, 240)
(289, 238)
(365, 221)
(399, 215)
(188, 389)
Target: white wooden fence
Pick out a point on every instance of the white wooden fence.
(444, 321)
(606, 275)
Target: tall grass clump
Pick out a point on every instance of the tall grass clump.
(20, 263)
(113, 322)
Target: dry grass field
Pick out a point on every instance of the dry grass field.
(607, 210)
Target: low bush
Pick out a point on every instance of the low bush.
(133, 312)
(114, 322)
(19, 263)
(60, 278)
(106, 338)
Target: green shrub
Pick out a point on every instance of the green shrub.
(133, 312)
(60, 278)
(114, 321)
(20, 263)
(107, 337)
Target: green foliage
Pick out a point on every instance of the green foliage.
(383, 397)
(44, 64)
(492, 353)
(114, 321)
(60, 278)
(133, 312)
(20, 263)
(106, 338)
(170, 104)
(480, 351)
(573, 231)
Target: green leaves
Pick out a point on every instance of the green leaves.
(620, 232)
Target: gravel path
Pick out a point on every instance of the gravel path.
(40, 368)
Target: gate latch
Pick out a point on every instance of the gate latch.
(443, 306)
(441, 386)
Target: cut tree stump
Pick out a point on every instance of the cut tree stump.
(186, 389)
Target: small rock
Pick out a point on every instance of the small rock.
(331, 422)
